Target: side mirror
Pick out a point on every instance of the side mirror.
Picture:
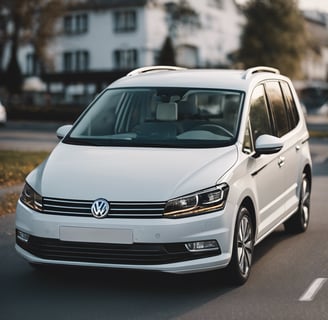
(267, 144)
(63, 131)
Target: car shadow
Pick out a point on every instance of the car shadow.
(126, 294)
(129, 294)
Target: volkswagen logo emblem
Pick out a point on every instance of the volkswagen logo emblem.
(100, 208)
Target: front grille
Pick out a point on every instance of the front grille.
(134, 254)
(117, 209)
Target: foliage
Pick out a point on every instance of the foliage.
(180, 13)
(8, 202)
(15, 165)
(40, 27)
(30, 22)
(274, 35)
(13, 75)
(167, 54)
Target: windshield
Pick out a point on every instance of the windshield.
(162, 117)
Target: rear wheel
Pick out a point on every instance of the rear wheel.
(299, 221)
(243, 246)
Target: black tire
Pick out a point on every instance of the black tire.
(239, 267)
(299, 221)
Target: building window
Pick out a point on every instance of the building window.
(76, 61)
(81, 23)
(68, 61)
(187, 56)
(215, 3)
(68, 24)
(125, 21)
(32, 64)
(74, 24)
(126, 59)
(81, 60)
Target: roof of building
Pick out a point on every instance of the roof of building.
(106, 4)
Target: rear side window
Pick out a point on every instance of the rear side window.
(291, 105)
(278, 107)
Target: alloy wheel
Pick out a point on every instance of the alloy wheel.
(245, 245)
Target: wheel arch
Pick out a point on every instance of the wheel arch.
(308, 171)
(248, 203)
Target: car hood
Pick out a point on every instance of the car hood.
(129, 174)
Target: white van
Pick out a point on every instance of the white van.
(173, 170)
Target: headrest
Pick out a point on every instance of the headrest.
(167, 111)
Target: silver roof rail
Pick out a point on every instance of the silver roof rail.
(251, 71)
(153, 68)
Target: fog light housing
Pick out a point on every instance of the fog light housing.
(206, 245)
(22, 236)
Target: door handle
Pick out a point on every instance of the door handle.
(281, 161)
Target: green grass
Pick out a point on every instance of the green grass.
(15, 165)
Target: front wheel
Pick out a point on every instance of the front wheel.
(243, 247)
(299, 221)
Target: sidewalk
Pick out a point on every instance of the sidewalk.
(16, 188)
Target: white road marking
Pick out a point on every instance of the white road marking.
(313, 289)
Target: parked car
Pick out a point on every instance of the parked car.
(323, 110)
(3, 114)
(172, 170)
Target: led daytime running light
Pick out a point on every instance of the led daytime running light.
(204, 201)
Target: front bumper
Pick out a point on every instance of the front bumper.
(146, 244)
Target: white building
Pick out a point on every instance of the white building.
(315, 63)
(101, 40)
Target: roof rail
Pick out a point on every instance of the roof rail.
(251, 71)
(153, 68)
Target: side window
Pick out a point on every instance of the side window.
(259, 115)
(278, 107)
(247, 144)
(291, 105)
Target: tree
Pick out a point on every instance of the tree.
(274, 35)
(167, 54)
(180, 14)
(32, 22)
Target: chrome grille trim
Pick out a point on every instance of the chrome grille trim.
(117, 209)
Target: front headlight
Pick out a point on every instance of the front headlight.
(204, 201)
(31, 198)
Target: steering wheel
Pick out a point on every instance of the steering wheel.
(214, 128)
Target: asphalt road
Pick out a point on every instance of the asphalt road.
(288, 280)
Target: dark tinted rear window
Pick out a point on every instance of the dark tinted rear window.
(291, 105)
(278, 107)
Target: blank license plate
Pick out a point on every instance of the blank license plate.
(100, 235)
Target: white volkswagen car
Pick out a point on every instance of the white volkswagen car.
(173, 170)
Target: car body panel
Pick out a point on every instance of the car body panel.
(129, 174)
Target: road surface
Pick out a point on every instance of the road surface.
(288, 279)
